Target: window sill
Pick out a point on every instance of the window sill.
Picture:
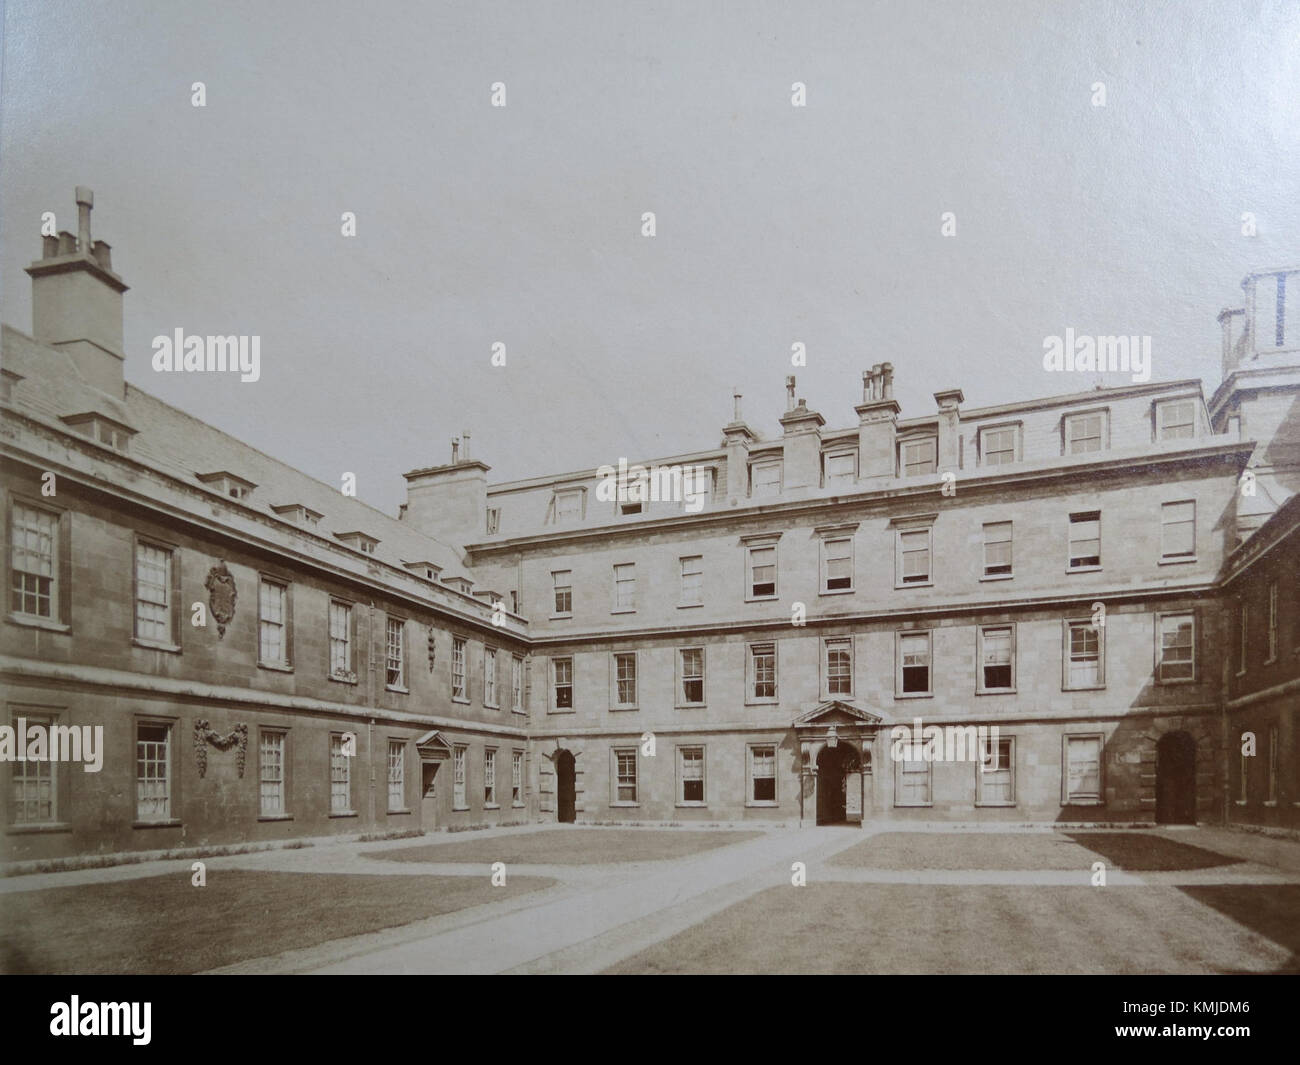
(995, 691)
(623, 709)
(516, 805)
(521, 713)
(998, 577)
(459, 809)
(1175, 683)
(691, 706)
(625, 610)
(491, 806)
(277, 667)
(837, 591)
(914, 584)
(762, 702)
(689, 606)
(1239, 802)
(275, 817)
(343, 813)
(39, 623)
(36, 827)
(913, 695)
(171, 822)
(1082, 802)
(1177, 561)
(1270, 803)
(691, 805)
(762, 598)
(404, 810)
(152, 645)
(1082, 569)
(996, 805)
(561, 617)
(339, 679)
(764, 804)
(1086, 688)
(913, 805)
(562, 710)
(491, 706)
(624, 805)
(460, 699)
(397, 688)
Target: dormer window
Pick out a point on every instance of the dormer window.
(359, 541)
(427, 570)
(839, 468)
(1086, 432)
(101, 429)
(918, 456)
(299, 514)
(568, 506)
(227, 484)
(461, 584)
(1176, 419)
(765, 479)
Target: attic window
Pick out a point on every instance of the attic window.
(428, 570)
(228, 484)
(359, 541)
(568, 505)
(101, 429)
(461, 584)
(299, 514)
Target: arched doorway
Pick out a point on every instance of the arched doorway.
(565, 781)
(1176, 779)
(838, 768)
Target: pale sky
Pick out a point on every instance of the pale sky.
(522, 224)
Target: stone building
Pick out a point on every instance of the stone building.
(724, 635)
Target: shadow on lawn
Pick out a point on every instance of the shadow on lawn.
(1271, 910)
(1137, 852)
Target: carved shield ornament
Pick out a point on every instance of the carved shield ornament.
(221, 595)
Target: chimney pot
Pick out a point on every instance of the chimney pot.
(455, 450)
(103, 254)
(789, 392)
(464, 441)
(50, 247)
(67, 243)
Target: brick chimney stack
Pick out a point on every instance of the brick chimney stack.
(77, 301)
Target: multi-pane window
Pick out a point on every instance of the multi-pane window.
(153, 599)
(995, 774)
(918, 457)
(762, 572)
(563, 581)
(490, 676)
(625, 678)
(271, 764)
(998, 446)
(33, 564)
(625, 586)
(625, 774)
(153, 793)
(1178, 529)
(563, 682)
(692, 590)
(395, 656)
(697, 487)
(1272, 621)
(490, 777)
(340, 638)
(340, 776)
(458, 668)
(1085, 539)
(516, 683)
(762, 668)
(997, 658)
(33, 785)
(762, 773)
(913, 556)
(458, 799)
(1177, 653)
(1085, 432)
(765, 479)
(841, 467)
(914, 663)
(837, 565)
(913, 782)
(1084, 655)
(273, 623)
(690, 774)
(997, 549)
(691, 663)
(396, 775)
(1177, 419)
(839, 666)
(517, 778)
(567, 506)
(1082, 769)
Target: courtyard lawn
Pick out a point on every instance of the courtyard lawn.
(845, 928)
(571, 846)
(1131, 851)
(162, 924)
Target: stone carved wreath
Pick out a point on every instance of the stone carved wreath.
(203, 735)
